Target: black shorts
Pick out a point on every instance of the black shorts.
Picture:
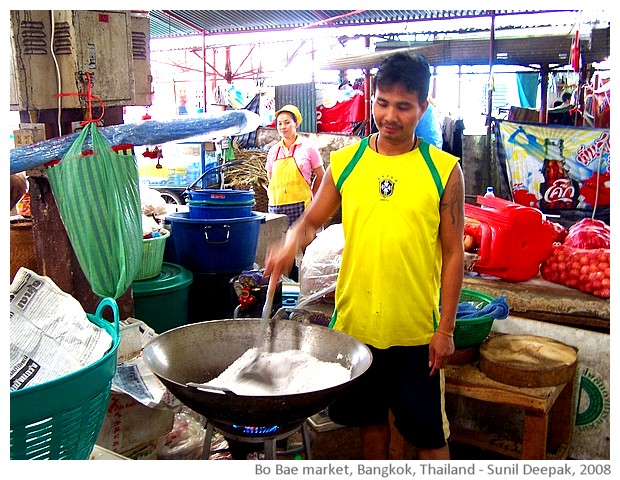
(397, 380)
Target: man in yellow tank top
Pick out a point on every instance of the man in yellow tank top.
(402, 216)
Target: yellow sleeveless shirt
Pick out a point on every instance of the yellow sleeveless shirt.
(387, 291)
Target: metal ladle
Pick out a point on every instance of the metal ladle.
(261, 369)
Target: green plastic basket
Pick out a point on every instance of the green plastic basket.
(152, 256)
(471, 332)
(61, 419)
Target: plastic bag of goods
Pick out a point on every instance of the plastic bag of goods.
(185, 440)
(589, 233)
(320, 265)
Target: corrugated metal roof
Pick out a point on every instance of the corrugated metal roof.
(177, 23)
(529, 51)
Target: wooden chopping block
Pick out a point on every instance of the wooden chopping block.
(527, 360)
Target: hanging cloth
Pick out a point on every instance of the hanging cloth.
(98, 200)
(287, 184)
(575, 54)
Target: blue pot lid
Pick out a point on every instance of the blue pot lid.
(171, 277)
(219, 194)
(183, 217)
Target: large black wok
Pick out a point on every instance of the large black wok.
(199, 352)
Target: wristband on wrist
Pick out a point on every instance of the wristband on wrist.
(444, 333)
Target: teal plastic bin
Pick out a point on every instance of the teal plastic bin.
(61, 419)
(162, 302)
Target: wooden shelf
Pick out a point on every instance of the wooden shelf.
(494, 443)
(547, 425)
(469, 381)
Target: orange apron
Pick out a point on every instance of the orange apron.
(287, 184)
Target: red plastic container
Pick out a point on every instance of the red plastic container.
(515, 239)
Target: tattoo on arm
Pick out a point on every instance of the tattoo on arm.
(452, 204)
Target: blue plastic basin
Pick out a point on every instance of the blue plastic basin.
(215, 245)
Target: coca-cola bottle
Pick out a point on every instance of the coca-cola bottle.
(559, 190)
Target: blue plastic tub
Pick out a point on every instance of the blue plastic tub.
(220, 211)
(216, 245)
(210, 195)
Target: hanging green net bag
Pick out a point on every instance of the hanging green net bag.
(98, 198)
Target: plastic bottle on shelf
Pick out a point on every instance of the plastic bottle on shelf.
(489, 193)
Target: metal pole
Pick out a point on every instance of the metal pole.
(491, 59)
(367, 93)
(204, 71)
(458, 101)
(544, 85)
(489, 137)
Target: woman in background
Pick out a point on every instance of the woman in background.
(294, 168)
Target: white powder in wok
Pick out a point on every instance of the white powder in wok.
(291, 371)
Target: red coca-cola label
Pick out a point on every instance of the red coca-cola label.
(560, 194)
